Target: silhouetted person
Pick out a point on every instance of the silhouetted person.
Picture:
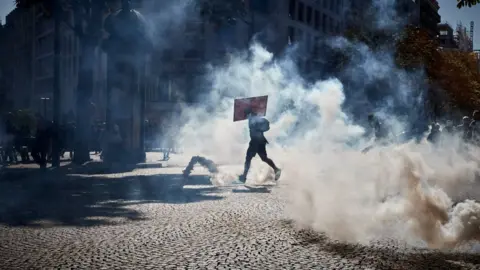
(378, 128)
(22, 141)
(434, 133)
(114, 145)
(449, 127)
(257, 125)
(9, 143)
(464, 127)
(42, 143)
(472, 127)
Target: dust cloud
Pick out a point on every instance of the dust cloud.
(406, 191)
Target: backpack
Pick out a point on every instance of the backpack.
(263, 125)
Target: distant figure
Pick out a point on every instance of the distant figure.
(22, 143)
(42, 143)
(472, 128)
(379, 131)
(464, 127)
(434, 133)
(9, 142)
(114, 145)
(449, 127)
(257, 125)
(378, 128)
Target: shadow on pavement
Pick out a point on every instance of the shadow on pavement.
(252, 190)
(59, 199)
(388, 257)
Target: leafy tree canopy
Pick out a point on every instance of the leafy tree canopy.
(468, 3)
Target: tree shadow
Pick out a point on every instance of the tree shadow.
(197, 180)
(57, 199)
(388, 257)
(13, 173)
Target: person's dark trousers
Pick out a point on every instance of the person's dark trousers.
(254, 148)
(24, 154)
(40, 156)
(11, 154)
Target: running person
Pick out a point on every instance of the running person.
(257, 125)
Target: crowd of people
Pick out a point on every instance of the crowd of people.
(467, 128)
(20, 143)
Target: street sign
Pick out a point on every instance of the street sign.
(257, 105)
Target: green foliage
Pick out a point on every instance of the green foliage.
(468, 3)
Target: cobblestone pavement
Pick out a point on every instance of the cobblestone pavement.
(146, 220)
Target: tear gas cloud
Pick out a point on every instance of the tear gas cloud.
(403, 191)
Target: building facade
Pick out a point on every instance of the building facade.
(3, 67)
(429, 18)
(31, 58)
(463, 39)
(19, 58)
(43, 63)
(176, 68)
(446, 37)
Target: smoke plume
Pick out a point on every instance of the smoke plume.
(413, 191)
(404, 191)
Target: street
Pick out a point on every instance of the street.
(144, 220)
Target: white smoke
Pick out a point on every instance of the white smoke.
(402, 191)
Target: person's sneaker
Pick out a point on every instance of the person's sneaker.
(278, 173)
(242, 178)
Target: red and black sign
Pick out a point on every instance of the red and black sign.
(257, 105)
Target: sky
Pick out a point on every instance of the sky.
(448, 11)
(451, 14)
(5, 7)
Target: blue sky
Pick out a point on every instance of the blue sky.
(448, 11)
(5, 7)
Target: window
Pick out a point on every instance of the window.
(309, 15)
(301, 9)
(309, 42)
(316, 49)
(192, 54)
(167, 55)
(317, 20)
(45, 67)
(324, 23)
(44, 45)
(291, 34)
(331, 25)
(443, 33)
(332, 5)
(260, 6)
(292, 8)
(300, 35)
(325, 4)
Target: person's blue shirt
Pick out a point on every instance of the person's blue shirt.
(258, 125)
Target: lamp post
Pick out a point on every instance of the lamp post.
(57, 17)
(44, 102)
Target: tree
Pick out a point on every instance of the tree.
(455, 72)
(469, 3)
(415, 49)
